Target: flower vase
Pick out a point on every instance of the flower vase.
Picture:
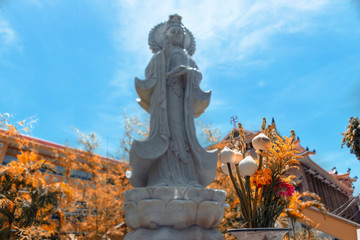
(259, 233)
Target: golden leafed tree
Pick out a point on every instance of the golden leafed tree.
(352, 136)
(27, 202)
(97, 212)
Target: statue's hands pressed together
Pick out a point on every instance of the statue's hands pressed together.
(177, 71)
(180, 70)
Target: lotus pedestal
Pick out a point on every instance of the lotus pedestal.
(164, 213)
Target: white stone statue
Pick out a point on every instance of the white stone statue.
(170, 169)
(172, 155)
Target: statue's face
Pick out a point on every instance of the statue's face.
(176, 35)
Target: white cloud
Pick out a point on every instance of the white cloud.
(241, 26)
(230, 30)
(8, 41)
(225, 31)
(37, 3)
(7, 34)
(217, 103)
(261, 83)
(42, 4)
(329, 159)
(122, 82)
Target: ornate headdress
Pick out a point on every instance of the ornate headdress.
(157, 34)
(174, 21)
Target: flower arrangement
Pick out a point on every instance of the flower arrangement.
(263, 185)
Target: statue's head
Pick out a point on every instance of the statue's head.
(175, 31)
(172, 32)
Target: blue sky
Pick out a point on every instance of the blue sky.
(72, 64)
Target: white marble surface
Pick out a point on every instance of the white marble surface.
(170, 169)
(179, 208)
(172, 155)
(166, 233)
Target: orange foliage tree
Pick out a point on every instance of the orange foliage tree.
(27, 202)
(97, 212)
(352, 136)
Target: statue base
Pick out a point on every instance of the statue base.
(174, 213)
(166, 233)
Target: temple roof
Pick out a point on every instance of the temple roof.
(343, 178)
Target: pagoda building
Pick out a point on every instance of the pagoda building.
(335, 190)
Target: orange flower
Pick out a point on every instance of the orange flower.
(262, 177)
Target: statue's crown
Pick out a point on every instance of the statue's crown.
(174, 20)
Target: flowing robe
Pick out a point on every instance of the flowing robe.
(154, 159)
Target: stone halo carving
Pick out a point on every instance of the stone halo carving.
(156, 39)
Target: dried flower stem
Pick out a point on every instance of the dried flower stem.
(243, 200)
